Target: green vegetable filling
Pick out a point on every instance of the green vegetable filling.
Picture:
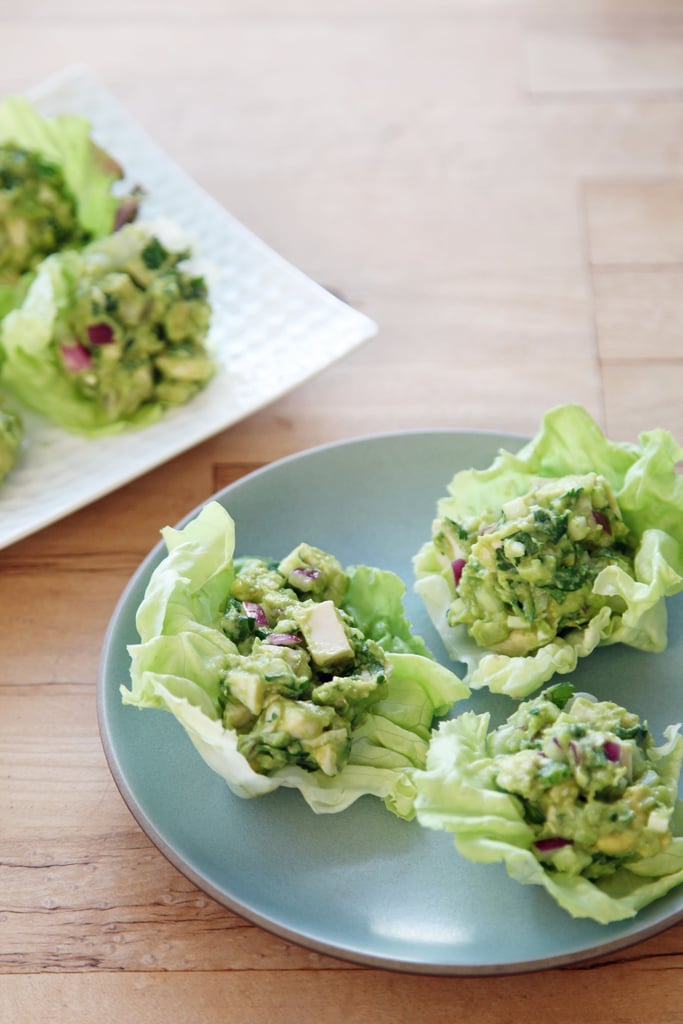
(37, 212)
(136, 334)
(526, 571)
(302, 675)
(589, 789)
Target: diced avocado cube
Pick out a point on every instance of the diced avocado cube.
(315, 573)
(300, 719)
(325, 636)
(247, 687)
(237, 716)
(329, 750)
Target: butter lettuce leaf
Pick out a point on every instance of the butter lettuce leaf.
(649, 493)
(89, 173)
(457, 793)
(35, 336)
(181, 658)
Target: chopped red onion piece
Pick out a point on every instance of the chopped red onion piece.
(100, 334)
(303, 576)
(556, 751)
(282, 639)
(126, 212)
(576, 753)
(76, 357)
(255, 611)
(457, 566)
(612, 750)
(548, 845)
(602, 520)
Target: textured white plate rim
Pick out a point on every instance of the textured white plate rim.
(354, 954)
(48, 482)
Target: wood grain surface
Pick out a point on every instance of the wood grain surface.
(499, 184)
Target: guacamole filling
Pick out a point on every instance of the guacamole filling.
(11, 433)
(302, 675)
(136, 334)
(37, 212)
(524, 574)
(590, 791)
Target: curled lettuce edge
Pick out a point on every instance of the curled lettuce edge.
(88, 170)
(29, 365)
(456, 793)
(66, 140)
(178, 665)
(650, 495)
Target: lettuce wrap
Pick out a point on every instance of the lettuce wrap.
(56, 192)
(109, 337)
(578, 801)
(575, 541)
(198, 618)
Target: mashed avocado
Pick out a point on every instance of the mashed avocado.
(592, 794)
(110, 336)
(37, 212)
(134, 331)
(11, 433)
(303, 674)
(524, 573)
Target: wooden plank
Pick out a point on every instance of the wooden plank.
(639, 313)
(632, 990)
(55, 775)
(634, 222)
(624, 56)
(454, 225)
(639, 397)
(451, 397)
(218, 11)
(113, 903)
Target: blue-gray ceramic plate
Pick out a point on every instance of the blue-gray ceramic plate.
(362, 885)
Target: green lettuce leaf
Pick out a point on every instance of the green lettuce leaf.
(375, 600)
(457, 793)
(11, 436)
(89, 172)
(180, 660)
(649, 493)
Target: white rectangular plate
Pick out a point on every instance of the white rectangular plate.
(272, 328)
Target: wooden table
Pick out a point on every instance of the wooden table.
(500, 185)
